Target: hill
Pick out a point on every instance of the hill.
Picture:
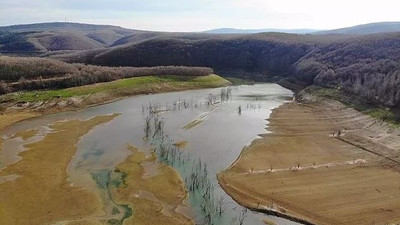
(367, 66)
(371, 28)
(45, 37)
(253, 31)
(31, 73)
(52, 37)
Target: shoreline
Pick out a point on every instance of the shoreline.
(12, 114)
(269, 211)
(162, 200)
(315, 140)
(52, 197)
(143, 194)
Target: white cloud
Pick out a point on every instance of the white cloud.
(196, 15)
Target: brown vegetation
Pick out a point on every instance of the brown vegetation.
(19, 73)
(364, 65)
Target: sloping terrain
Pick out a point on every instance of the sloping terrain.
(324, 163)
(365, 65)
(253, 31)
(64, 40)
(370, 28)
(46, 37)
(50, 37)
(31, 73)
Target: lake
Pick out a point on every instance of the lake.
(210, 126)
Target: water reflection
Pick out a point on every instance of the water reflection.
(215, 125)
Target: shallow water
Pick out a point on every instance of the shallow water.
(215, 134)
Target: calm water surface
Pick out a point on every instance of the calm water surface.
(220, 134)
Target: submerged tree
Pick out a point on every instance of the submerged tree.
(242, 216)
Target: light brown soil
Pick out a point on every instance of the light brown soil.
(41, 194)
(10, 118)
(323, 163)
(155, 198)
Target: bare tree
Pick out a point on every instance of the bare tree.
(242, 216)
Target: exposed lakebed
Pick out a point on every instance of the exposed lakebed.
(206, 129)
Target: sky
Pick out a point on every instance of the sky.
(200, 15)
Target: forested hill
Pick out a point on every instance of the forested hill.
(368, 66)
(45, 38)
(365, 65)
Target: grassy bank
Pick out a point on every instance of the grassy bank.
(123, 87)
(18, 106)
(356, 102)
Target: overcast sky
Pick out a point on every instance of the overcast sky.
(198, 15)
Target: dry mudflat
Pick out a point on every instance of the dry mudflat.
(320, 163)
(36, 188)
(41, 193)
(154, 191)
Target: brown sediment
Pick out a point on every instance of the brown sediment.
(155, 199)
(13, 117)
(8, 119)
(268, 222)
(84, 222)
(181, 144)
(26, 134)
(322, 163)
(200, 119)
(41, 194)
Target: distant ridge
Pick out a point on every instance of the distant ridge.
(54, 26)
(370, 28)
(59, 36)
(254, 31)
(43, 38)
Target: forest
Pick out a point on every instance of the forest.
(30, 73)
(365, 65)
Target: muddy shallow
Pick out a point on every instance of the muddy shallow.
(215, 134)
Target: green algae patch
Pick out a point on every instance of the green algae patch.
(105, 180)
(155, 199)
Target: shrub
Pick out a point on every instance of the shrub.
(23, 73)
(4, 89)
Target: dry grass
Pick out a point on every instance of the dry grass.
(302, 171)
(42, 194)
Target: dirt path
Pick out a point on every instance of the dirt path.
(323, 163)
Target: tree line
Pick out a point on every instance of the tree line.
(367, 66)
(23, 73)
